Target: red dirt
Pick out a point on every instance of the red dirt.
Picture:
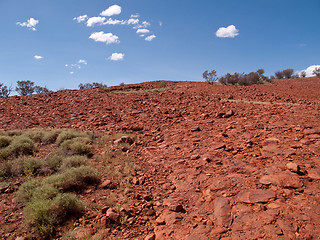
(218, 162)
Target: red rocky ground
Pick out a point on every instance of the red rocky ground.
(218, 162)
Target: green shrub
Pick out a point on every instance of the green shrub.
(74, 178)
(51, 136)
(5, 141)
(73, 162)
(20, 145)
(39, 216)
(45, 192)
(28, 166)
(64, 205)
(12, 133)
(6, 170)
(43, 214)
(54, 160)
(35, 134)
(26, 190)
(78, 146)
(67, 135)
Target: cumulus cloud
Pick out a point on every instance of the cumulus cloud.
(95, 20)
(144, 24)
(112, 10)
(160, 23)
(116, 57)
(142, 30)
(30, 23)
(150, 38)
(135, 15)
(111, 21)
(37, 57)
(75, 66)
(108, 38)
(81, 61)
(308, 71)
(81, 18)
(227, 32)
(133, 21)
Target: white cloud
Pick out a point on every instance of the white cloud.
(144, 24)
(95, 20)
(142, 30)
(135, 15)
(37, 57)
(150, 38)
(111, 21)
(309, 70)
(30, 23)
(133, 21)
(112, 10)
(227, 32)
(81, 18)
(116, 57)
(160, 23)
(108, 38)
(81, 61)
(75, 66)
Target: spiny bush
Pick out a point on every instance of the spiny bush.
(20, 145)
(12, 133)
(5, 141)
(64, 205)
(74, 178)
(54, 160)
(39, 217)
(28, 166)
(78, 146)
(67, 135)
(51, 136)
(72, 162)
(6, 170)
(35, 134)
(43, 214)
(27, 190)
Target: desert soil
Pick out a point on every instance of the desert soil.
(217, 162)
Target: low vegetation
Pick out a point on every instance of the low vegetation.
(5, 90)
(137, 88)
(51, 181)
(28, 87)
(316, 72)
(91, 85)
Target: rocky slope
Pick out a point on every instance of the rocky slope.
(218, 162)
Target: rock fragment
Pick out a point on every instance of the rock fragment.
(222, 212)
(256, 196)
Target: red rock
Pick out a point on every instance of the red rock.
(293, 167)
(314, 173)
(112, 216)
(195, 129)
(222, 212)
(218, 230)
(151, 236)
(176, 208)
(256, 196)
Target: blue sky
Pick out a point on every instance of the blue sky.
(185, 38)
